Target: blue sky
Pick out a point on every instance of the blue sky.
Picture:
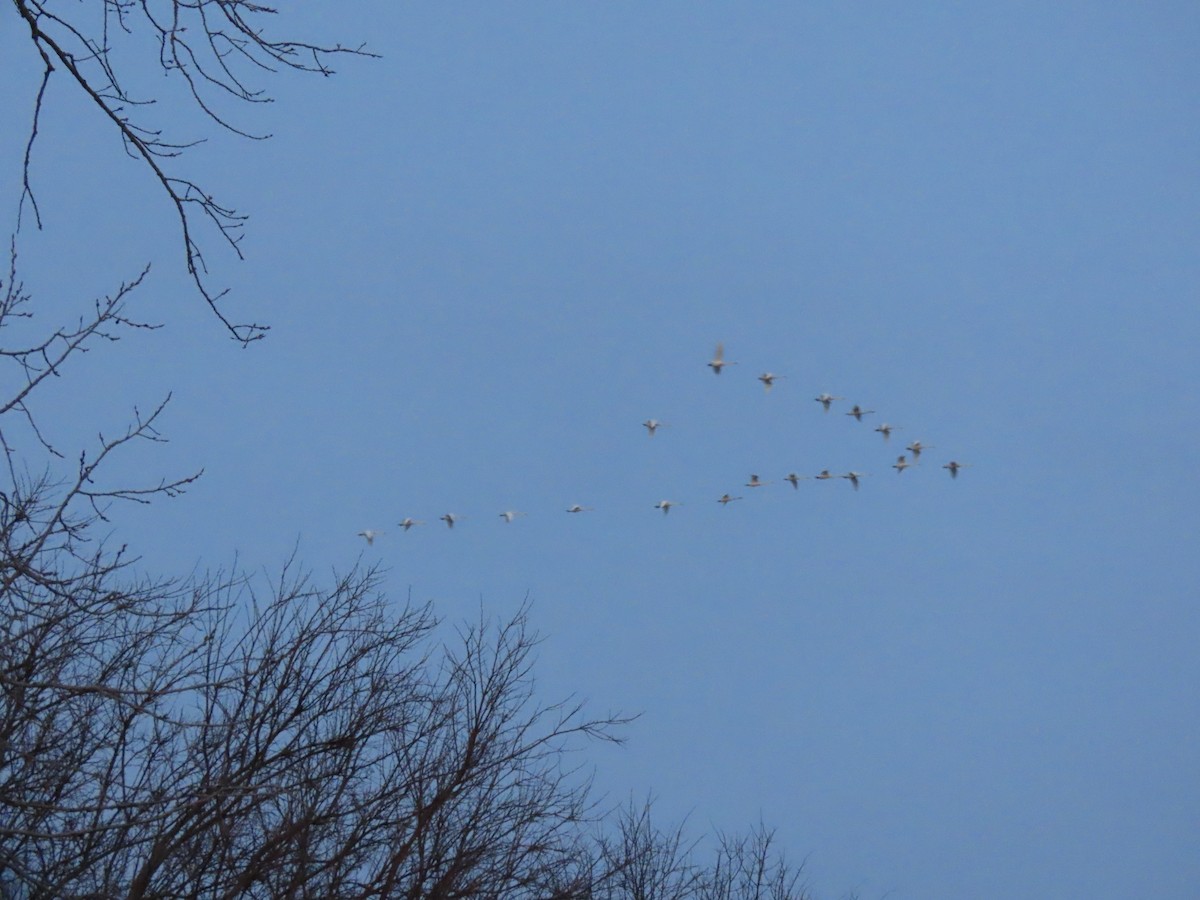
(488, 256)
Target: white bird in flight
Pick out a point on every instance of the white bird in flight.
(665, 505)
(725, 499)
(718, 361)
(370, 535)
(916, 447)
(509, 515)
(954, 467)
(853, 477)
(576, 508)
(651, 426)
(824, 475)
(858, 412)
(826, 399)
(408, 523)
(901, 464)
(450, 519)
(768, 379)
(795, 479)
(755, 482)
(886, 430)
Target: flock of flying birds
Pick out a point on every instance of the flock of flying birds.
(768, 379)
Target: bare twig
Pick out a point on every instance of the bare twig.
(200, 41)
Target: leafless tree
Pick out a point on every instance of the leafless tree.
(642, 862)
(748, 866)
(217, 48)
(305, 746)
(637, 860)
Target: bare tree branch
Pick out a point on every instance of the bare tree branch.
(206, 43)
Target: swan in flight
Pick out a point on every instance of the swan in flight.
(450, 519)
(824, 475)
(886, 430)
(853, 477)
(509, 515)
(794, 479)
(954, 467)
(916, 447)
(755, 482)
(826, 399)
(718, 361)
(725, 499)
(651, 426)
(901, 464)
(370, 535)
(408, 523)
(665, 505)
(576, 508)
(768, 379)
(858, 412)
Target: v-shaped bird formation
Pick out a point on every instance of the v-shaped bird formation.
(718, 363)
